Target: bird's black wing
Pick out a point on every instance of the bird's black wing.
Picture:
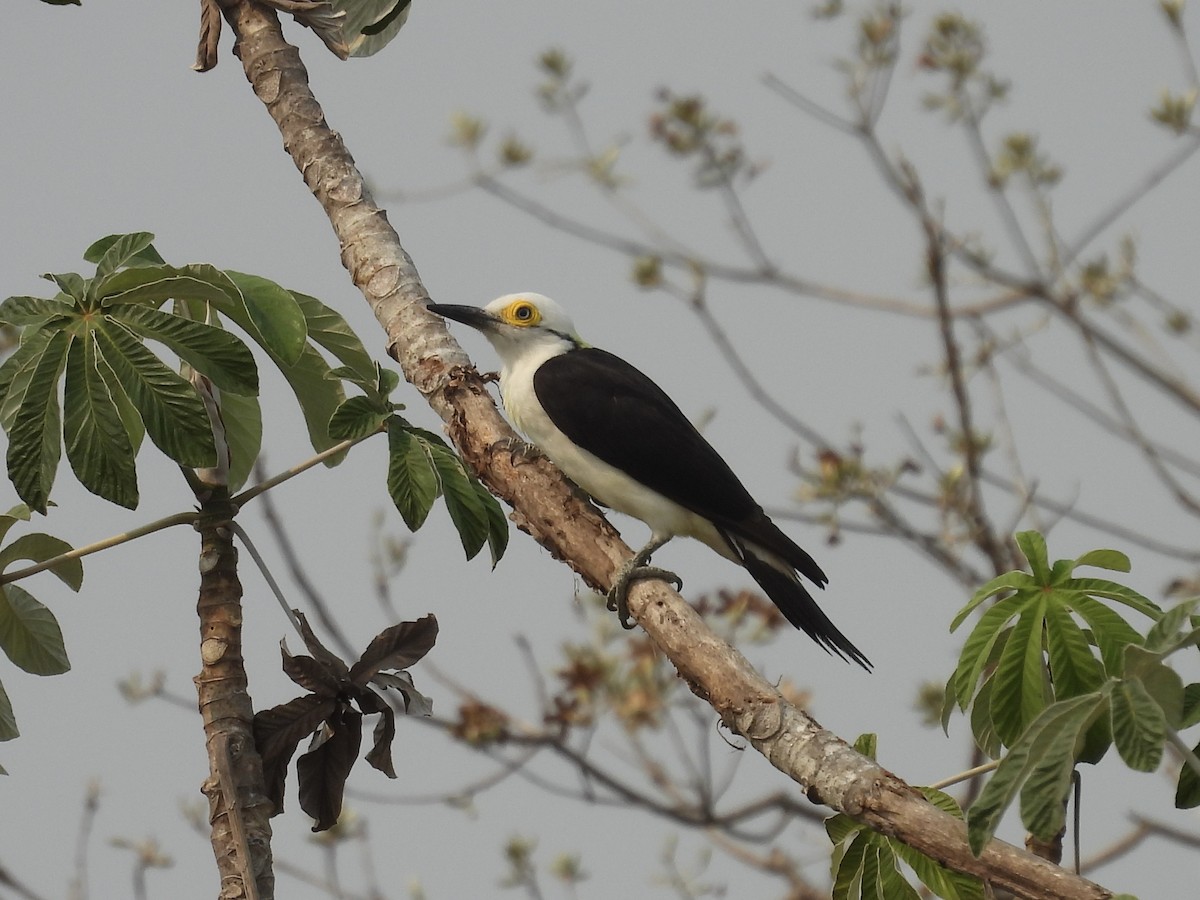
(612, 410)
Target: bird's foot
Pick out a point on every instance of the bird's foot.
(517, 450)
(635, 569)
(489, 377)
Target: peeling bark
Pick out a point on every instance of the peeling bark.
(545, 506)
(239, 811)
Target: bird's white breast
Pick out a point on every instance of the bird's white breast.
(604, 482)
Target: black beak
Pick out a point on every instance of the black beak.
(468, 315)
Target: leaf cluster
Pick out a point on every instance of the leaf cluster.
(867, 865)
(1055, 675)
(422, 467)
(332, 712)
(93, 336)
(29, 634)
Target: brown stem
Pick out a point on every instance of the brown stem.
(239, 810)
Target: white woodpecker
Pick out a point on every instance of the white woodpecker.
(617, 435)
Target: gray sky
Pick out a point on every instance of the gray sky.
(107, 130)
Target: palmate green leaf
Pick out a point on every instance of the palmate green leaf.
(29, 633)
(8, 721)
(154, 285)
(1113, 560)
(982, 728)
(18, 369)
(243, 431)
(277, 317)
(170, 408)
(1161, 682)
(1009, 581)
(1033, 548)
(1053, 733)
(1187, 792)
(1138, 726)
(119, 251)
(1100, 587)
(1019, 690)
(70, 283)
(357, 417)
(35, 437)
(37, 548)
(977, 650)
(215, 352)
(1111, 632)
(26, 311)
(1076, 668)
(130, 417)
(99, 448)
(329, 330)
(412, 479)
(848, 866)
(1044, 794)
(1175, 629)
(144, 255)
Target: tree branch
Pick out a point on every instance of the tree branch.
(545, 506)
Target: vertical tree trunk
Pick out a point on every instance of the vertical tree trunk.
(239, 810)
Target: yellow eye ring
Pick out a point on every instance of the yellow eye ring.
(522, 313)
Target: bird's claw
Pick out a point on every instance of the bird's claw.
(635, 570)
(517, 449)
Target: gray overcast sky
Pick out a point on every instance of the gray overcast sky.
(107, 130)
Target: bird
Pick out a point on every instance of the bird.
(621, 438)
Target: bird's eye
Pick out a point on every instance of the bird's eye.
(523, 313)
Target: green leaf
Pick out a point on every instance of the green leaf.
(1161, 682)
(37, 548)
(277, 317)
(1187, 792)
(215, 352)
(329, 330)
(1044, 795)
(8, 721)
(1191, 706)
(1112, 633)
(412, 479)
(144, 255)
(1009, 581)
(847, 868)
(1113, 560)
(977, 650)
(120, 250)
(1138, 726)
(18, 369)
(1174, 629)
(867, 744)
(154, 285)
(1018, 695)
(172, 411)
(982, 728)
(98, 445)
(29, 633)
(497, 524)
(467, 510)
(71, 284)
(357, 417)
(25, 311)
(1074, 668)
(243, 430)
(130, 417)
(35, 438)
(1100, 587)
(1033, 547)
(1055, 732)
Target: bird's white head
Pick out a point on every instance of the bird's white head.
(518, 325)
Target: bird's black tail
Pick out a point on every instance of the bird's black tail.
(798, 606)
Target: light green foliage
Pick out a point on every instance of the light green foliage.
(1053, 673)
(867, 865)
